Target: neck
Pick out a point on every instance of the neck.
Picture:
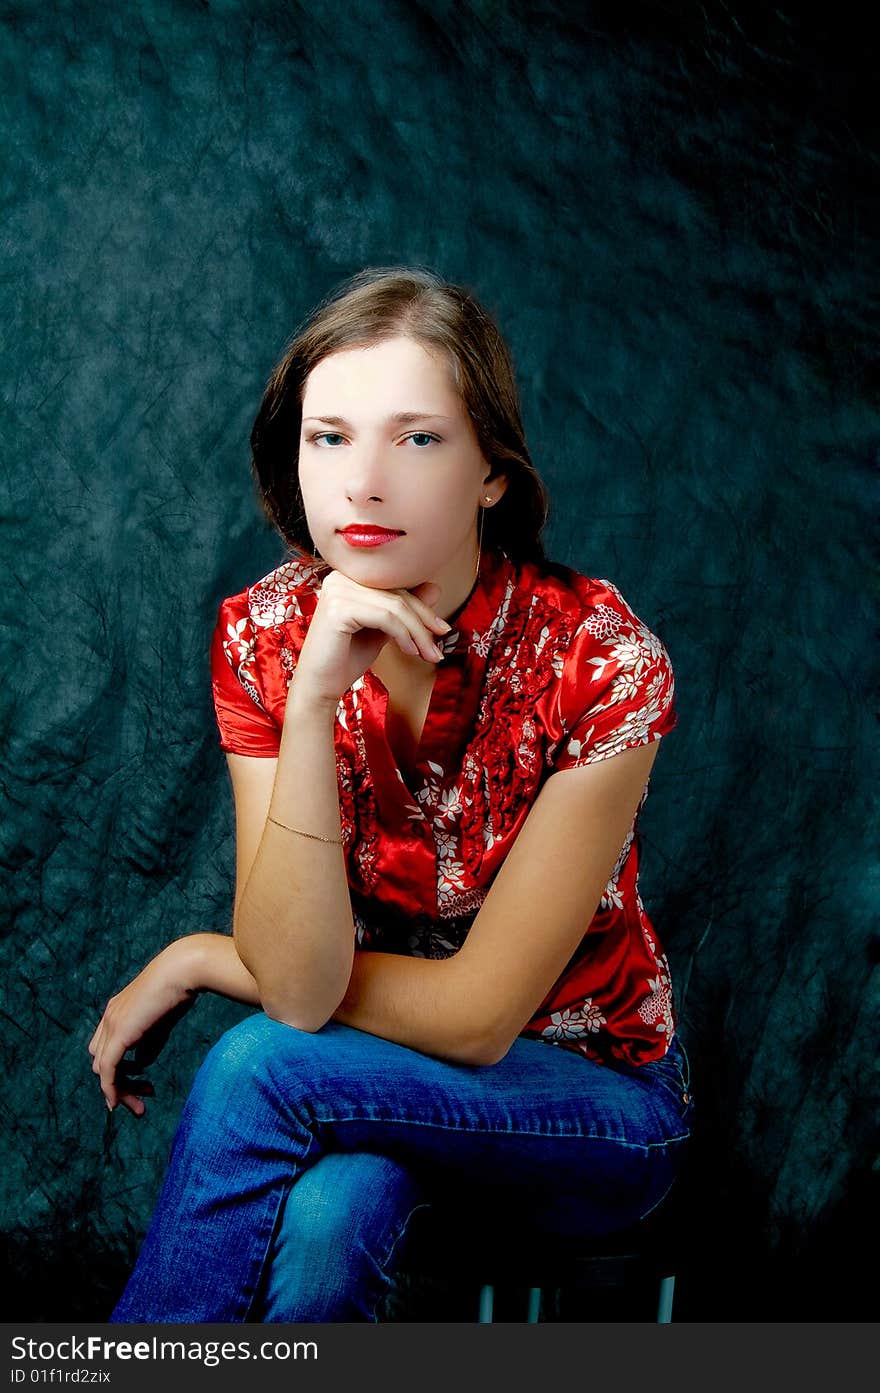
(392, 661)
(455, 592)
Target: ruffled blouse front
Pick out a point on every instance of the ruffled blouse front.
(539, 674)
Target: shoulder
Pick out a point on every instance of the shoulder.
(288, 592)
(610, 665)
(262, 626)
(616, 679)
(587, 605)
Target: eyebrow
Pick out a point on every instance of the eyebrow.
(403, 417)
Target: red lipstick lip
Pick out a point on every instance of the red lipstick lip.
(368, 536)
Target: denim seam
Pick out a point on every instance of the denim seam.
(258, 1285)
(657, 1203)
(677, 1090)
(383, 1264)
(510, 1132)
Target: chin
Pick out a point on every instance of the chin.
(374, 566)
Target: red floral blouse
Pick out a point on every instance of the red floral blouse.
(539, 674)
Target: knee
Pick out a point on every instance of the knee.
(345, 1202)
(237, 1065)
(339, 1233)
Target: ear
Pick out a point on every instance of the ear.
(495, 484)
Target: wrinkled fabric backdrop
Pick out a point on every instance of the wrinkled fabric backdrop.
(672, 211)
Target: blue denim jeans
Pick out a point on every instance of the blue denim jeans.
(300, 1159)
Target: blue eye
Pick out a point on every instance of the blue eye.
(334, 435)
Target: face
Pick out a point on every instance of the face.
(422, 477)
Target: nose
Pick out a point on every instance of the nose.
(365, 477)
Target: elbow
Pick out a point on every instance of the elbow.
(310, 1015)
(492, 1048)
(488, 1052)
(246, 960)
(297, 1020)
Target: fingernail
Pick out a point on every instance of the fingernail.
(107, 1101)
(438, 651)
(446, 626)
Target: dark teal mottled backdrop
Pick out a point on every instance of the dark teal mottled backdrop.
(672, 211)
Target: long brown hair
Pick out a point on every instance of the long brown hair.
(383, 302)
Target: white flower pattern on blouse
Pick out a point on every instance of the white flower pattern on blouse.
(273, 600)
(574, 1022)
(635, 650)
(657, 1007)
(499, 772)
(445, 804)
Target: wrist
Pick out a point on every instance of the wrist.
(306, 704)
(191, 956)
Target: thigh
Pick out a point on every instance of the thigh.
(542, 1120)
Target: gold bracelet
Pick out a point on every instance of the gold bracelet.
(334, 840)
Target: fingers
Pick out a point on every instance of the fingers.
(412, 635)
(96, 1051)
(132, 1094)
(431, 619)
(105, 1067)
(118, 1059)
(403, 616)
(106, 1054)
(118, 1086)
(416, 639)
(133, 1103)
(394, 617)
(95, 1041)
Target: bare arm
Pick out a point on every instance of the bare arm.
(293, 923)
(140, 1017)
(414, 1001)
(293, 926)
(212, 964)
(418, 1002)
(472, 1006)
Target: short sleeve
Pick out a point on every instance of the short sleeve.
(618, 685)
(245, 726)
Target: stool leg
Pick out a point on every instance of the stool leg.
(486, 1299)
(534, 1306)
(664, 1307)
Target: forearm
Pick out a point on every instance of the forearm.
(415, 1002)
(294, 928)
(213, 965)
(409, 1000)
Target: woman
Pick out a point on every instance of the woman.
(439, 744)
